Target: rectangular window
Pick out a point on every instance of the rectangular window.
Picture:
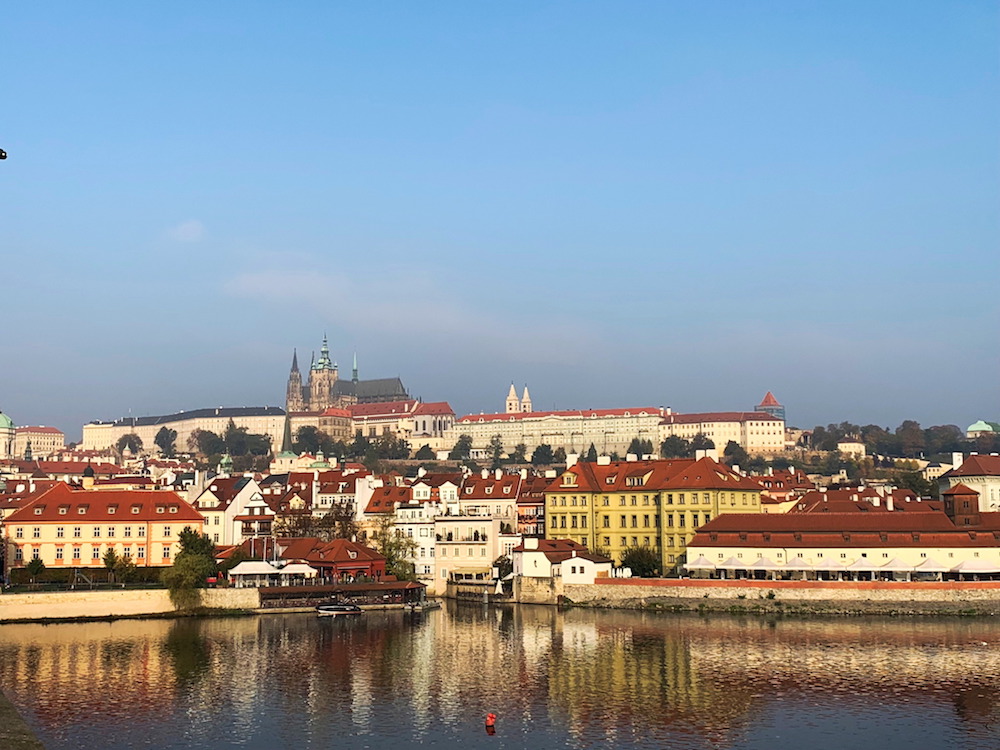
(166, 531)
(624, 541)
(111, 531)
(635, 522)
(97, 532)
(142, 531)
(141, 553)
(19, 533)
(95, 553)
(166, 552)
(681, 519)
(645, 521)
(562, 522)
(583, 522)
(670, 498)
(128, 531)
(60, 532)
(572, 522)
(59, 553)
(607, 522)
(36, 532)
(708, 517)
(76, 532)
(76, 553)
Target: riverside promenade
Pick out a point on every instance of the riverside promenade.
(14, 733)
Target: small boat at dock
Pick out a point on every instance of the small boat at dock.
(338, 608)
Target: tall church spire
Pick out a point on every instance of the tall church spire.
(526, 401)
(354, 370)
(513, 403)
(295, 360)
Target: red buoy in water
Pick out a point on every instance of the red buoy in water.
(491, 719)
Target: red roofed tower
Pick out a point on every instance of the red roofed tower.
(770, 405)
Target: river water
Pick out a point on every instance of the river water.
(555, 679)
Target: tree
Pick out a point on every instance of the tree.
(734, 454)
(359, 447)
(462, 448)
(591, 456)
(165, 440)
(193, 543)
(675, 447)
(542, 455)
(640, 447)
(518, 456)
(425, 453)
(110, 562)
(912, 440)
(495, 451)
(206, 443)
(559, 456)
(124, 569)
(35, 568)
(131, 441)
(396, 548)
(308, 439)
(701, 443)
(643, 561)
(192, 566)
(504, 566)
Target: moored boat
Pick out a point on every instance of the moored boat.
(332, 610)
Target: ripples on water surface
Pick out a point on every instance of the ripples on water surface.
(556, 679)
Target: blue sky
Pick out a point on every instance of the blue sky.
(678, 203)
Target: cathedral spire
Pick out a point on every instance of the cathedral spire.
(295, 360)
(354, 370)
(513, 403)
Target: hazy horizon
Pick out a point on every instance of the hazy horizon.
(617, 204)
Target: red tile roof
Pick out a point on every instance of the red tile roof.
(384, 499)
(477, 487)
(435, 407)
(960, 489)
(977, 466)
(720, 416)
(62, 504)
(382, 409)
(589, 413)
(769, 400)
(33, 429)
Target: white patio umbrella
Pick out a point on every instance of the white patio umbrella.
(700, 563)
(976, 566)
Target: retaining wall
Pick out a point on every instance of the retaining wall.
(124, 603)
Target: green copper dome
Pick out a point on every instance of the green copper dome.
(6, 423)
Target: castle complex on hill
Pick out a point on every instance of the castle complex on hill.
(324, 388)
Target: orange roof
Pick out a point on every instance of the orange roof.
(382, 409)
(38, 429)
(769, 400)
(62, 504)
(654, 476)
(977, 466)
(960, 489)
(590, 413)
(335, 412)
(435, 407)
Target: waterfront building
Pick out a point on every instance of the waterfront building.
(981, 473)
(531, 505)
(226, 502)
(837, 545)
(73, 528)
(466, 547)
(43, 441)
(755, 432)
(563, 558)
(258, 420)
(491, 494)
(781, 487)
(324, 388)
(660, 504)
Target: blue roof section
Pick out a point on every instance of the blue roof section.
(233, 412)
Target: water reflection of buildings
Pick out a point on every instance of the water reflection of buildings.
(604, 677)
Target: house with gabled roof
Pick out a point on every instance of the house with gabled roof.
(224, 501)
(980, 473)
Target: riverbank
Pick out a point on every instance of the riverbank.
(931, 598)
(14, 733)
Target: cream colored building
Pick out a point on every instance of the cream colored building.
(258, 420)
(755, 432)
(839, 545)
(609, 430)
(68, 528)
(44, 441)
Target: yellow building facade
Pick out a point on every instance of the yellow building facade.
(615, 506)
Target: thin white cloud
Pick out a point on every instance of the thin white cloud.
(403, 308)
(191, 230)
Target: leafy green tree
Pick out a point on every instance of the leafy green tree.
(701, 443)
(591, 456)
(110, 560)
(185, 577)
(542, 455)
(35, 568)
(131, 441)
(676, 447)
(780, 463)
(425, 453)
(396, 548)
(207, 443)
(495, 452)
(912, 439)
(359, 447)
(238, 555)
(308, 439)
(643, 561)
(125, 569)
(912, 480)
(194, 543)
(462, 448)
(504, 566)
(518, 456)
(734, 454)
(559, 456)
(166, 440)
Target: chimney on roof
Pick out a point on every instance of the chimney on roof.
(531, 543)
(484, 473)
(604, 460)
(889, 505)
(957, 459)
(628, 457)
(571, 459)
(498, 473)
(573, 553)
(523, 473)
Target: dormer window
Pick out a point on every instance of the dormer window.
(173, 508)
(63, 510)
(489, 490)
(112, 509)
(135, 510)
(82, 509)
(159, 508)
(38, 511)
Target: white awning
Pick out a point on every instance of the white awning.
(254, 568)
(976, 566)
(862, 564)
(701, 563)
(896, 565)
(298, 569)
(799, 563)
(764, 563)
(732, 564)
(930, 565)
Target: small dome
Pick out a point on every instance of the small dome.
(6, 423)
(980, 426)
(89, 471)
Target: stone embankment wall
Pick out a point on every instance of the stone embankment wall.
(848, 596)
(125, 603)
